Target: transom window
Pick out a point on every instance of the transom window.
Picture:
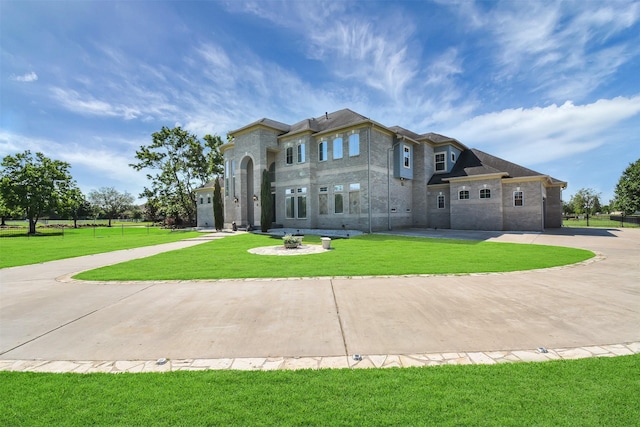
(518, 198)
(463, 195)
(322, 151)
(441, 162)
(485, 193)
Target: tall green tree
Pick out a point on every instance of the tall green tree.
(584, 201)
(111, 201)
(178, 163)
(75, 205)
(627, 192)
(34, 185)
(266, 207)
(5, 212)
(218, 206)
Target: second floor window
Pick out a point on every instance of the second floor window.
(441, 162)
(289, 155)
(464, 195)
(322, 151)
(337, 148)
(485, 193)
(301, 153)
(354, 145)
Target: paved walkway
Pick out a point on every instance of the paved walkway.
(50, 323)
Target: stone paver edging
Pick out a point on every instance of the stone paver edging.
(331, 362)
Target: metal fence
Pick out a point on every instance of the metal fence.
(627, 219)
(62, 229)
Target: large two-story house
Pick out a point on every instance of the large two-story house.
(342, 170)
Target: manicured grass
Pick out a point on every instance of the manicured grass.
(359, 256)
(587, 392)
(25, 250)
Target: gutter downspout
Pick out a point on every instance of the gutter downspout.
(389, 150)
(369, 174)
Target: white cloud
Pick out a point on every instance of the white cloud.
(536, 135)
(99, 165)
(566, 49)
(25, 78)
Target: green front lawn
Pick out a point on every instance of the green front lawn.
(587, 392)
(359, 256)
(23, 250)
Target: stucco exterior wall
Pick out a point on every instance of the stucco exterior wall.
(204, 202)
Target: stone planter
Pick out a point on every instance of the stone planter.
(291, 245)
(326, 242)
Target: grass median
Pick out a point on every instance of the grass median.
(23, 250)
(366, 255)
(587, 392)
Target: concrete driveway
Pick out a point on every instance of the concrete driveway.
(44, 316)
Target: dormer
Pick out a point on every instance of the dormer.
(445, 157)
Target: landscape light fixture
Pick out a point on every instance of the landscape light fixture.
(255, 198)
(235, 199)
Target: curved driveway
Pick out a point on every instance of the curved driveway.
(44, 316)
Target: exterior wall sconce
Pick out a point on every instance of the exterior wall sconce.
(255, 198)
(235, 199)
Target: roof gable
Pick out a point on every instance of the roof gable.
(474, 162)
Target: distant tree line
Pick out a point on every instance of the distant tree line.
(33, 186)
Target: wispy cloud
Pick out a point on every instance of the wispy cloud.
(103, 162)
(566, 48)
(536, 135)
(25, 78)
(370, 52)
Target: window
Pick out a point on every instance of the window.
(354, 145)
(441, 162)
(322, 151)
(463, 195)
(323, 201)
(337, 148)
(354, 198)
(302, 202)
(289, 203)
(485, 193)
(301, 153)
(518, 198)
(441, 201)
(406, 156)
(453, 158)
(289, 155)
(201, 200)
(208, 199)
(226, 178)
(338, 199)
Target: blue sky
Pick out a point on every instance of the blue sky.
(553, 86)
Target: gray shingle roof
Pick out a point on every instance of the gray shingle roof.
(283, 127)
(474, 162)
(327, 121)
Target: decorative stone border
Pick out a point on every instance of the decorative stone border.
(281, 250)
(331, 362)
